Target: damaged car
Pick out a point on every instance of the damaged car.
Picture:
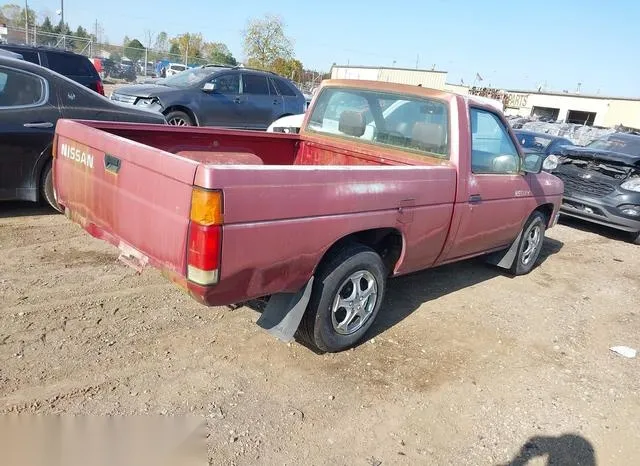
(601, 181)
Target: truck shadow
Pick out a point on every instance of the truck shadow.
(24, 209)
(406, 294)
(566, 450)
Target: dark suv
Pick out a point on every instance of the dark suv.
(69, 64)
(213, 95)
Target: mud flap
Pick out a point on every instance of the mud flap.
(284, 312)
(504, 259)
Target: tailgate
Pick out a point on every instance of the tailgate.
(132, 195)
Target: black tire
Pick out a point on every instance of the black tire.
(635, 238)
(46, 188)
(335, 275)
(526, 259)
(173, 118)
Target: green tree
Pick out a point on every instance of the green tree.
(13, 15)
(265, 41)
(134, 50)
(46, 33)
(162, 42)
(189, 45)
(47, 25)
(174, 51)
(290, 68)
(217, 52)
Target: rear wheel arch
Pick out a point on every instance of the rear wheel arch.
(387, 242)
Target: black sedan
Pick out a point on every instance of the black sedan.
(32, 99)
(544, 143)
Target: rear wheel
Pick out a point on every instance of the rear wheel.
(46, 188)
(179, 118)
(635, 238)
(530, 244)
(346, 297)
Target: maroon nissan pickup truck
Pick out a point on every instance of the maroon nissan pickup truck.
(383, 180)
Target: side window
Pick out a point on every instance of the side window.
(283, 87)
(492, 150)
(20, 89)
(255, 84)
(30, 56)
(227, 83)
(69, 65)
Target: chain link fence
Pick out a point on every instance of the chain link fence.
(120, 63)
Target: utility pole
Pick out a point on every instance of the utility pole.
(26, 22)
(417, 60)
(62, 28)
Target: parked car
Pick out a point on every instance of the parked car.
(72, 65)
(602, 181)
(174, 68)
(218, 96)
(317, 221)
(547, 144)
(32, 99)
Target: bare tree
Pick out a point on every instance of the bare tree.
(265, 41)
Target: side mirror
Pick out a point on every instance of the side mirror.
(209, 87)
(533, 163)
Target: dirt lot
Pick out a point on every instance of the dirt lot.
(465, 366)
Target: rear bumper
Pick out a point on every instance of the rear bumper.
(598, 211)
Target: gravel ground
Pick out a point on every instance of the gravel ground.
(465, 365)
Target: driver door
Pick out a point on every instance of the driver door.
(222, 105)
(499, 193)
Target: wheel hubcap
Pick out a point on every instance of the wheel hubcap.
(178, 122)
(531, 243)
(354, 304)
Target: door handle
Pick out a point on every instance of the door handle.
(41, 124)
(276, 102)
(112, 163)
(475, 199)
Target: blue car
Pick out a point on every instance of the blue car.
(212, 95)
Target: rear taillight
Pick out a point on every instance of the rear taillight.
(205, 237)
(99, 87)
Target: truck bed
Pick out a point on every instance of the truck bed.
(132, 186)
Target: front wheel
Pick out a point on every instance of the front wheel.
(346, 297)
(530, 244)
(178, 118)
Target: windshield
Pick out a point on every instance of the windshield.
(187, 78)
(402, 121)
(628, 145)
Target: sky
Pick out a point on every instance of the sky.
(514, 45)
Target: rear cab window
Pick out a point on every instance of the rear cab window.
(402, 121)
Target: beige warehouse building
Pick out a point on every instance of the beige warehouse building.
(590, 110)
